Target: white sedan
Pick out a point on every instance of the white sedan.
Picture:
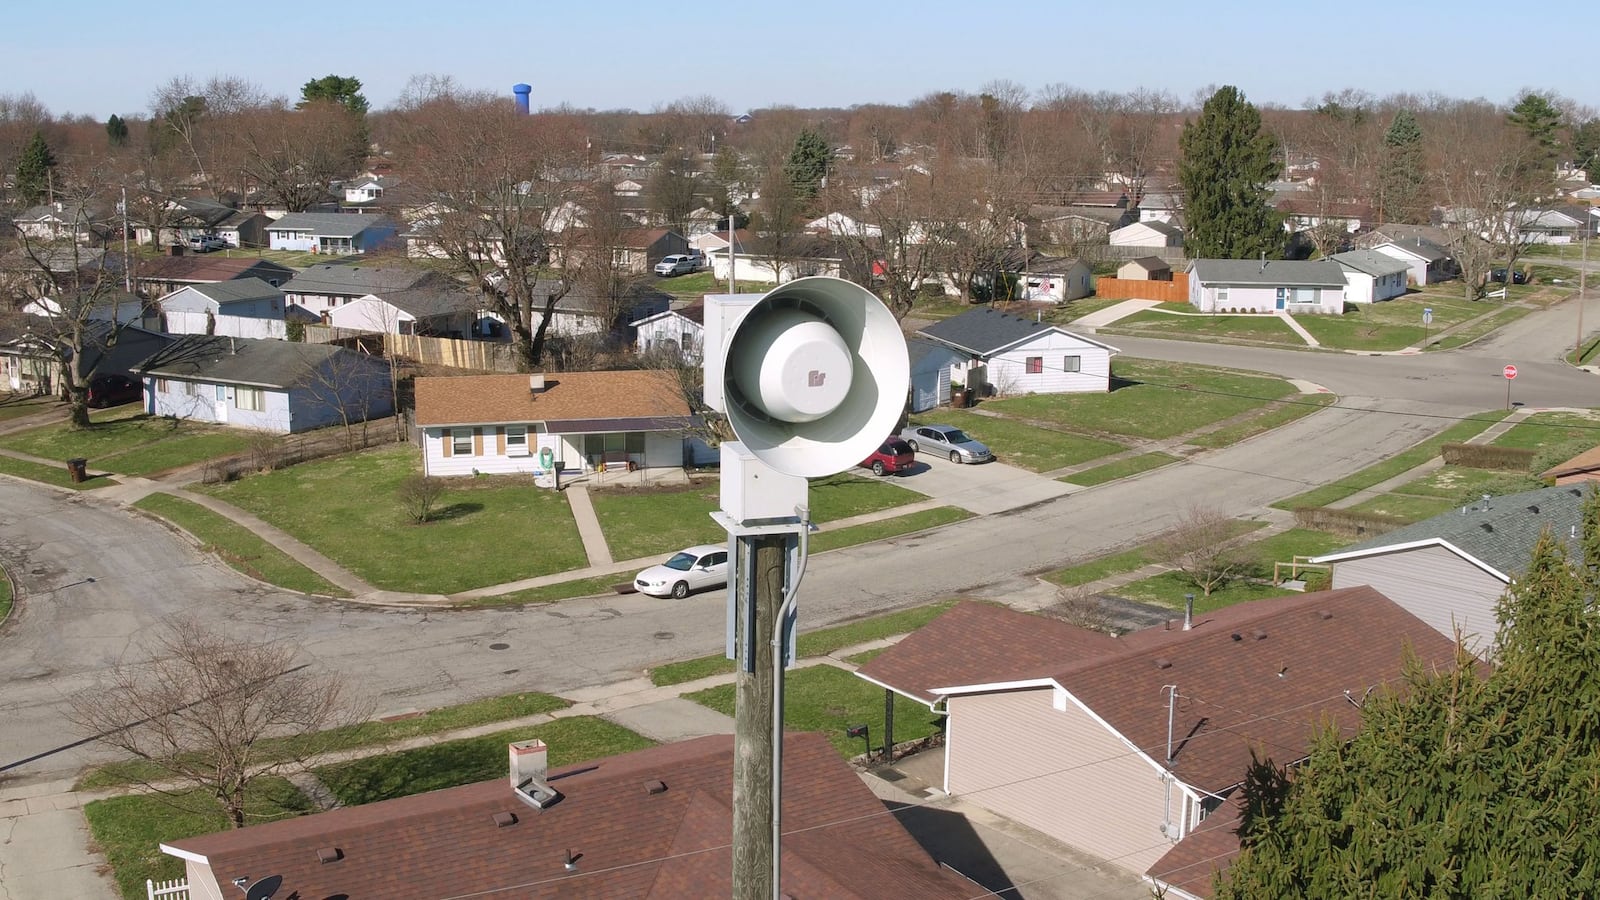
(692, 569)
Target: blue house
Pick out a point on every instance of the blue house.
(277, 386)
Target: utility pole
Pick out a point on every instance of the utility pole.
(1583, 276)
(127, 273)
(758, 705)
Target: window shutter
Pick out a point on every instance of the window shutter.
(500, 441)
(449, 442)
(477, 442)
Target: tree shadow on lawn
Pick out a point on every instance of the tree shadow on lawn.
(454, 511)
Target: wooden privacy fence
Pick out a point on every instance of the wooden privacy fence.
(486, 356)
(1174, 291)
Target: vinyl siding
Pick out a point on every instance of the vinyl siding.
(1059, 772)
(203, 885)
(1008, 372)
(1330, 300)
(661, 450)
(1436, 586)
(672, 328)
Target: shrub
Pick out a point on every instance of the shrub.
(419, 494)
(1487, 456)
(1346, 521)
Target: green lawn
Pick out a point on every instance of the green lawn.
(1151, 400)
(821, 642)
(5, 595)
(1547, 431)
(15, 406)
(129, 829)
(565, 590)
(1459, 483)
(886, 528)
(56, 475)
(1389, 325)
(367, 734)
(1018, 444)
(829, 700)
(238, 546)
(1122, 468)
(573, 740)
(696, 286)
(1405, 507)
(1169, 588)
(489, 530)
(1395, 465)
(1250, 329)
(126, 440)
(1275, 415)
(1100, 567)
(1500, 319)
(647, 522)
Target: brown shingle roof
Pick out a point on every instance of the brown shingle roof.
(1192, 864)
(490, 399)
(201, 269)
(1583, 467)
(980, 643)
(839, 842)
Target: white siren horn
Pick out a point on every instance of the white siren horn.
(816, 376)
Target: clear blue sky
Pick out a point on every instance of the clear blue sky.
(107, 56)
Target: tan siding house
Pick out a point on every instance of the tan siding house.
(1105, 809)
(1437, 585)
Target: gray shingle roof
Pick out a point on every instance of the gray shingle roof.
(1501, 536)
(264, 363)
(237, 290)
(354, 279)
(1275, 272)
(330, 224)
(436, 295)
(984, 331)
(1162, 228)
(1370, 262)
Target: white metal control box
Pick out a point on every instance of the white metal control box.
(753, 491)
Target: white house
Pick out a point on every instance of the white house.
(1006, 354)
(838, 223)
(931, 365)
(1423, 248)
(118, 307)
(1371, 276)
(1262, 286)
(530, 423)
(441, 309)
(1057, 279)
(1450, 570)
(278, 386)
(1148, 233)
(332, 233)
(681, 331)
(1145, 268)
(805, 255)
(367, 189)
(244, 307)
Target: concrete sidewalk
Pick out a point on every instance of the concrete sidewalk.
(1103, 317)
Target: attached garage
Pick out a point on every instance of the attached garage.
(930, 373)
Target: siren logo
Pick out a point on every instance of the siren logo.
(815, 378)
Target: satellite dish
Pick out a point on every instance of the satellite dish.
(815, 376)
(264, 889)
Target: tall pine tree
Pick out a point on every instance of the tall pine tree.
(116, 131)
(1225, 165)
(1400, 178)
(33, 171)
(808, 164)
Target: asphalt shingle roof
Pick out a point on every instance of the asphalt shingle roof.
(986, 330)
(650, 824)
(354, 279)
(1370, 262)
(1501, 536)
(1271, 273)
(330, 224)
(238, 290)
(638, 394)
(263, 363)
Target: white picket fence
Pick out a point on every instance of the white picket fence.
(176, 889)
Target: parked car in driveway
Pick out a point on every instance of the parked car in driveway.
(1517, 276)
(113, 390)
(946, 440)
(892, 457)
(680, 264)
(691, 569)
(205, 243)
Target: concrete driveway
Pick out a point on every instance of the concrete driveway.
(985, 488)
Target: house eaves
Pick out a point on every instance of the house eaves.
(1412, 545)
(1020, 341)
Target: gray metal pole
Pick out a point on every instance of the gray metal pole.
(756, 702)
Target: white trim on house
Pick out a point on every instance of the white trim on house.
(1413, 545)
(184, 854)
(932, 707)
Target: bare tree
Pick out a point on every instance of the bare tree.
(1202, 548)
(216, 712)
(1082, 607)
(293, 155)
(419, 494)
(1484, 181)
(886, 245)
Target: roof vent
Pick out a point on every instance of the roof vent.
(1486, 526)
(536, 383)
(329, 854)
(655, 787)
(1259, 634)
(529, 761)
(1237, 636)
(504, 819)
(1163, 663)
(1324, 614)
(1533, 508)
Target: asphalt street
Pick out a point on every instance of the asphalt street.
(98, 579)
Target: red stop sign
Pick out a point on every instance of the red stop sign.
(1511, 371)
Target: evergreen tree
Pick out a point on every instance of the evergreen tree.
(340, 89)
(33, 171)
(116, 130)
(1461, 785)
(1541, 122)
(1225, 165)
(808, 164)
(1586, 146)
(1400, 178)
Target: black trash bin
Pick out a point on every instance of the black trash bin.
(78, 467)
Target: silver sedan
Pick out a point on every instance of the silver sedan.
(946, 440)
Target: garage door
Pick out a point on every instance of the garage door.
(930, 389)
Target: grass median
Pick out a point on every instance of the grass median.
(53, 475)
(128, 441)
(1122, 468)
(821, 642)
(238, 546)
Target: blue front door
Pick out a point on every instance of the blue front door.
(1281, 292)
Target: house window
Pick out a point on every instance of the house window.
(1072, 364)
(461, 442)
(249, 399)
(161, 385)
(1035, 365)
(190, 389)
(222, 393)
(516, 440)
(687, 341)
(1222, 295)
(1303, 295)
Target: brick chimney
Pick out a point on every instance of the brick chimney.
(529, 759)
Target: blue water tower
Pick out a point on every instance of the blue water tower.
(522, 91)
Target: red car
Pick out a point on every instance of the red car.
(892, 456)
(113, 390)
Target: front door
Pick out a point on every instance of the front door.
(222, 403)
(1282, 292)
